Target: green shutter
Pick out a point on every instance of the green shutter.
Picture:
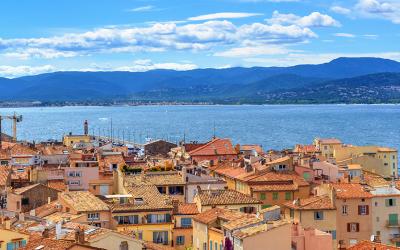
(262, 196)
(274, 195)
(288, 196)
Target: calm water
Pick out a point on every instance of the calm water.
(272, 126)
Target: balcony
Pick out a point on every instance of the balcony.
(392, 224)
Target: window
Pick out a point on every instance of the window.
(363, 210)
(353, 227)
(344, 209)
(158, 218)
(211, 245)
(376, 203)
(291, 213)
(25, 201)
(180, 240)
(93, 216)
(274, 195)
(288, 196)
(186, 222)
(74, 183)
(160, 237)
(16, 244)
(377, 219)
(318, 215)
(390, 202)
(131, 219)
(262, 196)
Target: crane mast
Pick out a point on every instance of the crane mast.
(15, 118)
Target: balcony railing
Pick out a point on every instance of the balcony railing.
(390, 223)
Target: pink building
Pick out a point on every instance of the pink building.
(78, 178)
(310, 238)
(325, 171)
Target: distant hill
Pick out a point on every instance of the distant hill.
(232, 85)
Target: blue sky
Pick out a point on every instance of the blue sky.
(138, 35)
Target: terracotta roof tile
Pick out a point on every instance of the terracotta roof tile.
(250, 231)
(5, 175)
(214, 214)
(156, 178)
(349, 191)
(367, 245)
(215, 147)
(187, 209)
(57, 184)
(254, 147)
(312, 203)
(84, 201)
(224, 197)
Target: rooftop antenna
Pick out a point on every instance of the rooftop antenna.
(214, 131)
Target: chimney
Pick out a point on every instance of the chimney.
(86, 127)
(79, 236)
(184, 174)
(175, 204)
(7, 223)
(45, 233)
(21, 216)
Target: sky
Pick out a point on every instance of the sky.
(138, 35)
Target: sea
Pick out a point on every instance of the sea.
(272, 126)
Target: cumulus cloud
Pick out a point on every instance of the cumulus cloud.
(17, 71)
(223, 15)
(382, 9)
(315, 19)
(158, 37)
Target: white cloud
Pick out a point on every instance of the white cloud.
(223, 15)
(143, 8)
(315, 19)
(157, 37)
(17, 71)
(348, 35)
(340, 10)
(146, 64)
(249, 51)
(380, 9)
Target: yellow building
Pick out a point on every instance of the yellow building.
(10, 239)
(70, 139)
(380, 160)
(327, 146)
(144, 212)
(317, 212)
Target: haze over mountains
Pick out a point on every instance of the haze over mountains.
(343, 80)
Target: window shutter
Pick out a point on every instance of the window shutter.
(367, 209)
(387, 202)
(358, 227)
(359, 210)
(394, 202)
(348, 227)
(10, 246)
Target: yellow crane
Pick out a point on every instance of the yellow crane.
(16, 119)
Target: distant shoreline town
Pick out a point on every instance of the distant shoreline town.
(98, 192)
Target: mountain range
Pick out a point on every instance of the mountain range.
(343, 80)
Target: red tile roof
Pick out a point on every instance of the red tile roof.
(312, 203)
(215, 147)
(257, 148)
(367, 245)
(349, 191)
(187, 209)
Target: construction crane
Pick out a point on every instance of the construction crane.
(16, 119)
